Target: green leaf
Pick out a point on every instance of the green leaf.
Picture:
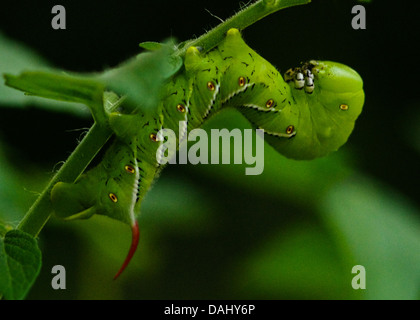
(382, 232)
(56, 86)
(141, 78)
(4, 229)
(61, 87)
(15, 57)
(150, 45)
(20, 263)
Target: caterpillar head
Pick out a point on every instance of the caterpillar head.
(314, 112)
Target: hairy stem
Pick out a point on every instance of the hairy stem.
(40, 212)
(244, 18)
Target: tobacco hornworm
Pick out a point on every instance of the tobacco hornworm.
(308, 114)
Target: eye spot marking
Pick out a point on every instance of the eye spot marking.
(344, 107)
(290, 129)
(269, 104)
(241, 81)
(113, 197)
(129, 169)
(211, 86)
(180, 108)
(153, 137)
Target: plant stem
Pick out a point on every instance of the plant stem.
(241, 20)
(40, 211)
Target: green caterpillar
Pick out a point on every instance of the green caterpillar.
(308, 114)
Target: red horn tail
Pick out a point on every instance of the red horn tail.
(134, 242)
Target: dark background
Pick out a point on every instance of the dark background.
(385, 144)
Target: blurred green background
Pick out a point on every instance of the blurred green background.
(209, 231)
